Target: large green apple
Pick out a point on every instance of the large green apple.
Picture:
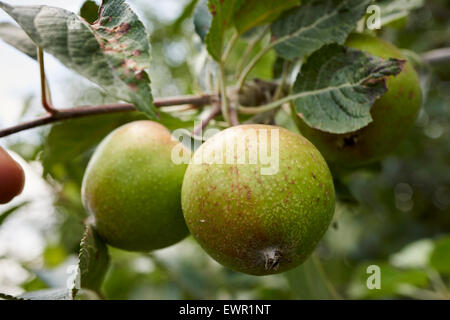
(258, 198)
(393, 114)
(133, 188)
(12, 177)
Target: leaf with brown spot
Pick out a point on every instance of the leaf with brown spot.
(94, 51)
(337, 87)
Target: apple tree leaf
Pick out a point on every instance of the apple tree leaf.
(338, 85)
(303, 30)
(16, 37)
(93, 260)
(222, 19)
(113, 53)
(254, 13)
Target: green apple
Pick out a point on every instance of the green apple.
(258, 198)
(393, 114)
(133, 188)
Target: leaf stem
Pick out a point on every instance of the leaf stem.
(249, 50)
(266, 107)
(46, 102)
(284, 76)
(223, 94)
(230, 46)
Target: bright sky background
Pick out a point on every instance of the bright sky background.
(20, 236)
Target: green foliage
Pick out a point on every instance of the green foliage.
(91, 48)
(392, 281)
(93, 260)
(254, 13)
(343, 99)
(71, 139)
(222, 18)
(394, 214)
(440, 257)
(394, 11)
(308, 282)
(314, 24)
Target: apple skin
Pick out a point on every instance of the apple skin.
(253, 223)
(12, 177)
(393, 114)
(133, 189)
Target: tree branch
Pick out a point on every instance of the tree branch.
(78, 112)
(434, 57)
(213, 113)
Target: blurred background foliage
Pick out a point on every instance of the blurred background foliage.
(394, 214)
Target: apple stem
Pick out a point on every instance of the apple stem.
(272, 258)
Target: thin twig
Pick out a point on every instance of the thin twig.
(46, 102)
(212, 114)
(84, 111)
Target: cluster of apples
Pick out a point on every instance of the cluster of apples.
(252, 223)
(257, 224)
